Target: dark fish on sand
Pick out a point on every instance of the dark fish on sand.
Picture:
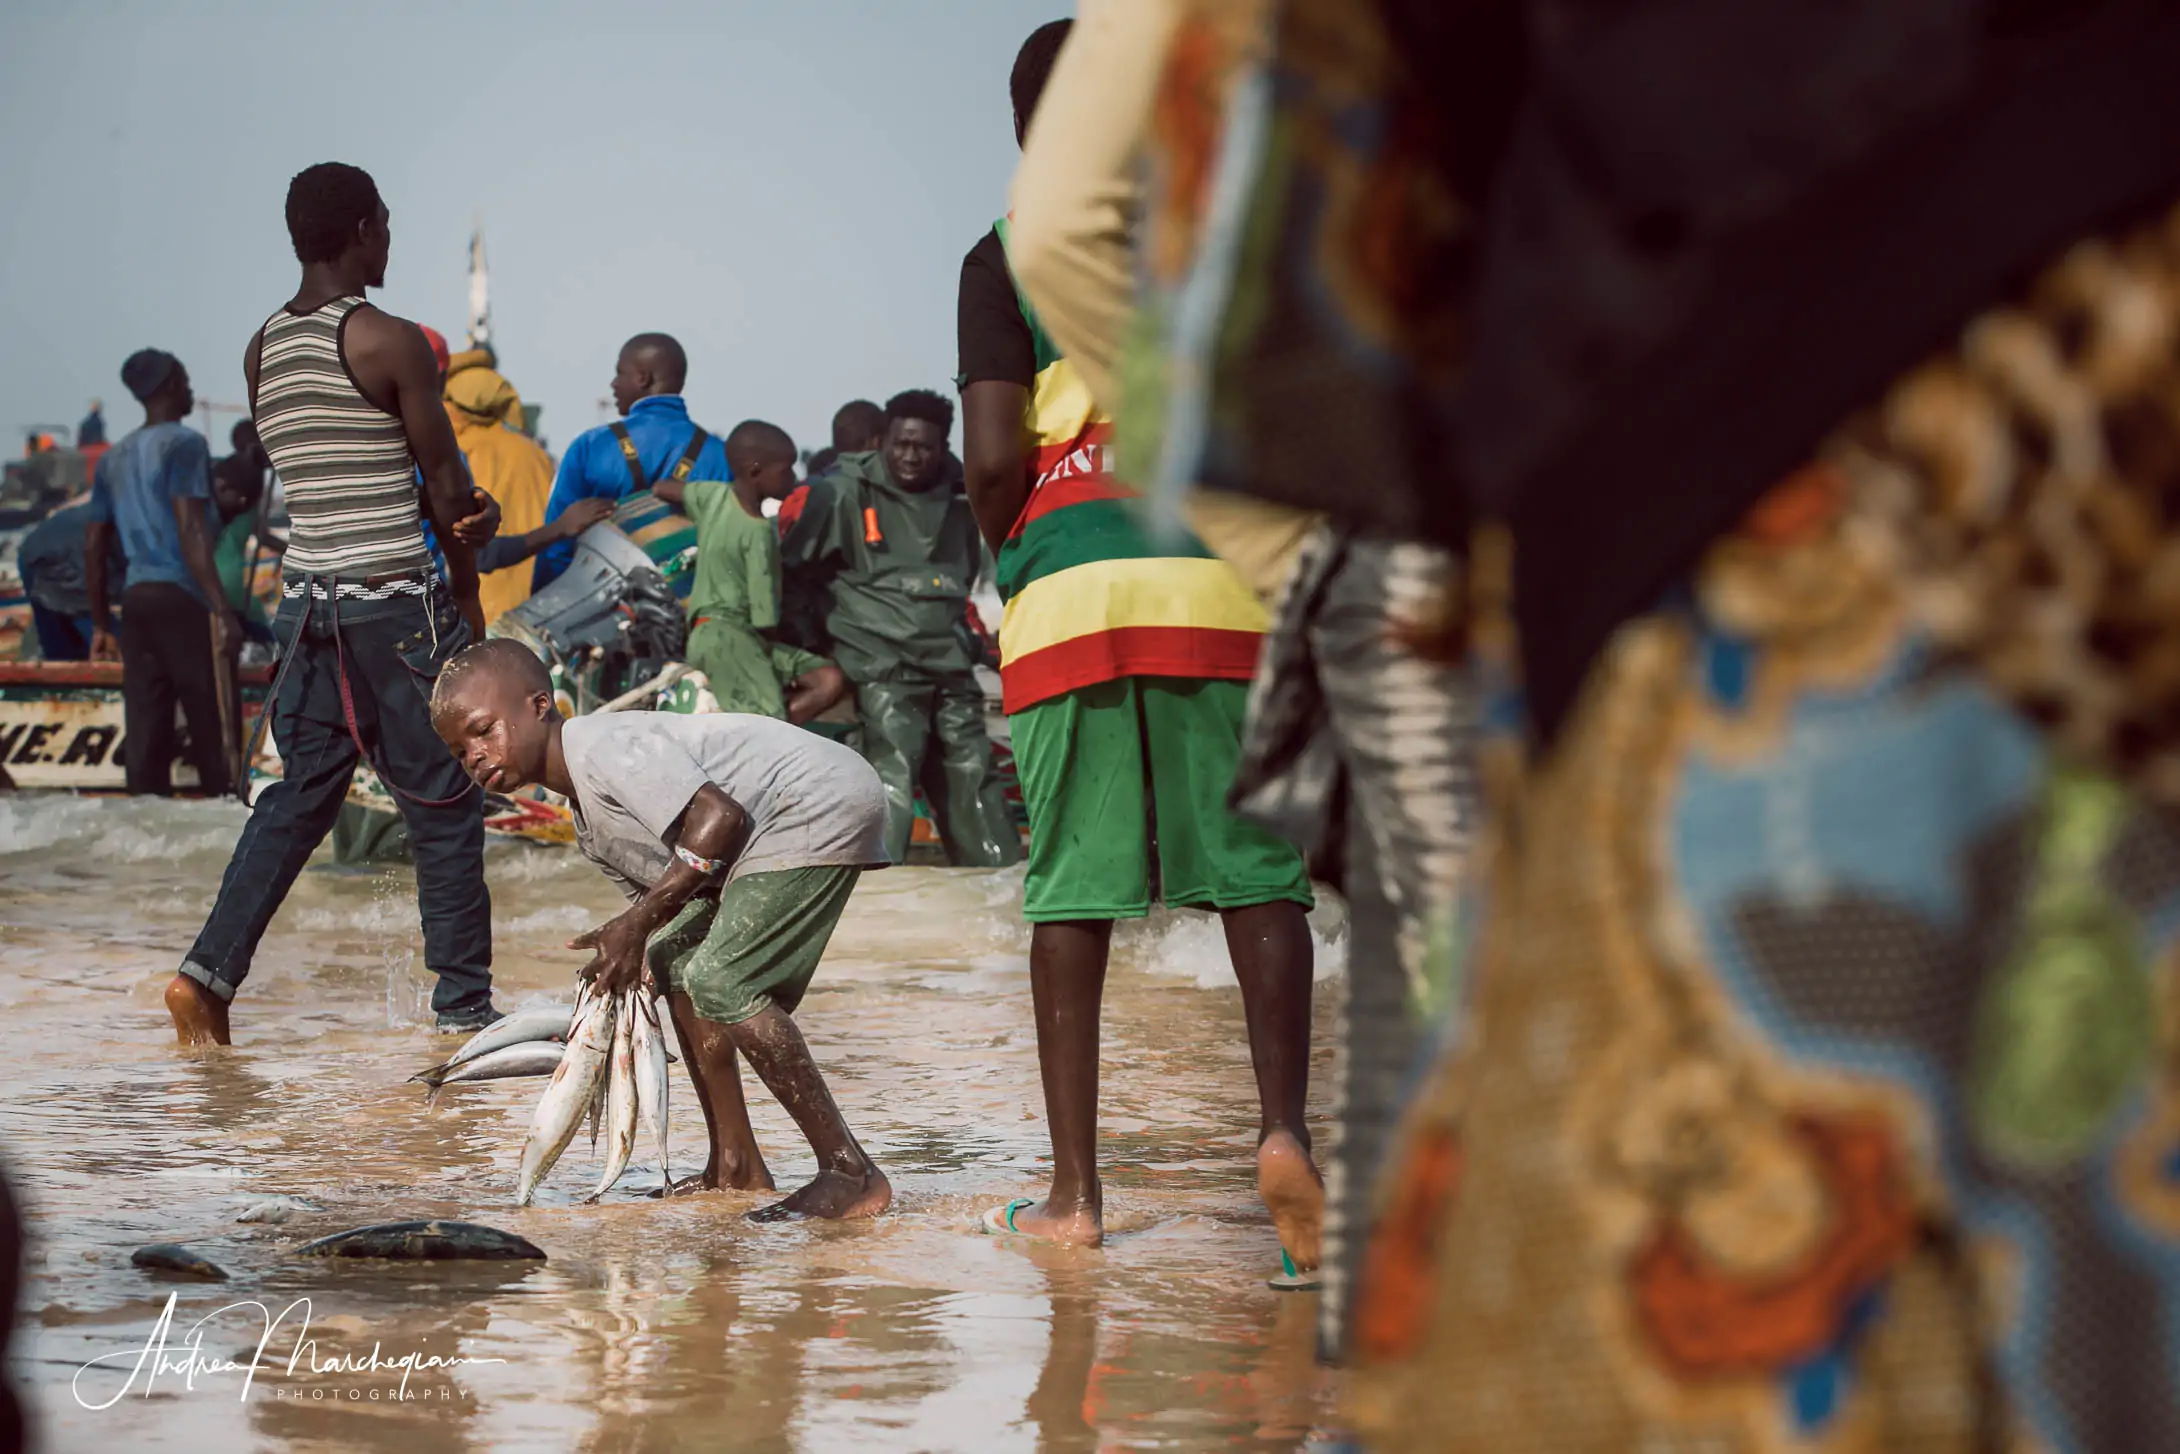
(425, 1242)
(167, 1257)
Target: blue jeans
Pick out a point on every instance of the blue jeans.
(61, 637)
(394, 649)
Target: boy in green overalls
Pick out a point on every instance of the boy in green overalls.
(734, 603)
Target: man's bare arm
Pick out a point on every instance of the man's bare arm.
(196, 540)
(97, 540)
(995, 455)
(395, 369)
(815, 691)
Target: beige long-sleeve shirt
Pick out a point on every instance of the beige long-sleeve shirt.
(1077, 200)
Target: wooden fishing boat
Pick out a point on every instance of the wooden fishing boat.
(62, 725)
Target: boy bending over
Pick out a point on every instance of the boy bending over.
(738, 840)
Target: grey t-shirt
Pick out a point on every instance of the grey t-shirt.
(812, 803)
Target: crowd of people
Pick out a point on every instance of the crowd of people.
(1751, 783)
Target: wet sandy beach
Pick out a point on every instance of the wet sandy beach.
(652, 1326)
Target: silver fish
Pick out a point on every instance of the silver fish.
(620, 1094)
(275, 1209)
(560, 1109)
(545, 1023)
(651, 1081)
(530, 1057)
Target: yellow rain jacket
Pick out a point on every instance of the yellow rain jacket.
(506, 463)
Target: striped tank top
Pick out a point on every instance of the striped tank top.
(343, 461)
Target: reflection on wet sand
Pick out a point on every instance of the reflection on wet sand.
(654, 1325)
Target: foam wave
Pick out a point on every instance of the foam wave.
(131, 830)
(1192, 946)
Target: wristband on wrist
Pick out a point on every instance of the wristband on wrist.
(705, 866)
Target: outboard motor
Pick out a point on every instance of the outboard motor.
(611, 598)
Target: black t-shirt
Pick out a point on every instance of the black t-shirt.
(994, 338)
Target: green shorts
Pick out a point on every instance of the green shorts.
(1112, 772)
(757, 944)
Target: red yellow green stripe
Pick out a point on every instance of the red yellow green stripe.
(1089, 597)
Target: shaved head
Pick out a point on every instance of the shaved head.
(649, 364)
(757, 441)
(493, 708)
(764, 455)
(496, 663)
(857, 425)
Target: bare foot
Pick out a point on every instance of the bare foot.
(688, 1186)
(200, 1017)
(833, 1195)
(1295, 1194)
(710, 1179)
(1083, 1226)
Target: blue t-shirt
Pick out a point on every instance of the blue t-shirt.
(660, 427)
(134, 490)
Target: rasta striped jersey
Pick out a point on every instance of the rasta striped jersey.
(1089, 597)
(343, 461)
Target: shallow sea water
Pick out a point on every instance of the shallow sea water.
(652, 1325)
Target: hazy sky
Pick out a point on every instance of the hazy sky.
(788, 187)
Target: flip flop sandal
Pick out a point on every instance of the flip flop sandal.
(1000, 1220)
(1290, 1280)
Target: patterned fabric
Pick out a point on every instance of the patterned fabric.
(1818, 1081)
(1089, 597)
(294, 586)
(343, 461)
(1361, 749)
(1295, 319)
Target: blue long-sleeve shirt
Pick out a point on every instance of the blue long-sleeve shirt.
(595, 466)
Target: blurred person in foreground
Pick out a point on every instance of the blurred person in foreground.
(347, 404)
(1799, 381)
(1357, 745)
(1122, 663)
(153, 490)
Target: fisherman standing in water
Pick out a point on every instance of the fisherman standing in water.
(1125, 658)
(737, 840)
(346, 400)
